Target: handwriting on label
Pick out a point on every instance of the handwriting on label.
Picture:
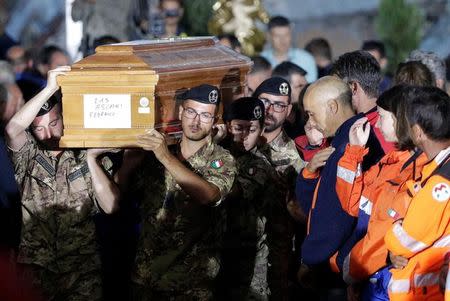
(107, 110)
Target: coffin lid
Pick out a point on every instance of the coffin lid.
(164, 55)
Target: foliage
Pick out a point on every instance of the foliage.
(196, 16)
(399, 25)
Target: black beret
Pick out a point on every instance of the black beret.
(245, 108)
(204, 93)
(47, 106)
(274, 86)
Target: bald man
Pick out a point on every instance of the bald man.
(328, 103)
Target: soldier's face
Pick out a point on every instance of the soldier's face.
(194, 119)
(245, 133)
(277, 109)
(48, 128)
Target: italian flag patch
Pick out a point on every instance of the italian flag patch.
(392, 213)
(216, 164)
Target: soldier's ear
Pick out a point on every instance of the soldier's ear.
(180, 112)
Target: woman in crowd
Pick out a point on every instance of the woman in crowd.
(377, 197)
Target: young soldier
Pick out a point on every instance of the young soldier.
(245, 254)
(180, 191)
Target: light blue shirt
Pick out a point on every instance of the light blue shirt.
(35, 14)
(299, 57)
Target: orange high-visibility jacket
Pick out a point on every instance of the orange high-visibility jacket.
(445, 277)
(423, 236)
(381, 194)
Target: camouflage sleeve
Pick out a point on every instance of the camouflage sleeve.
(221, 171)
(20, 158)
(253, 177)
(297, 161)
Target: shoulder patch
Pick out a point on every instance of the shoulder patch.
(441, 192)
(393, 214)
(44, 163)
(83, 170)
(251, 171)
(216, 164)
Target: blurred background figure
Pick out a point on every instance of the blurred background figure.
(321, 51)
(260, 71)
(34, 77)
(378, 51)
(19, 58)
(101, 18)
(279, 35)
(33, 23)
(434, 63)
(414, 73)
(230, 41)
(11, 98)
(171, 12)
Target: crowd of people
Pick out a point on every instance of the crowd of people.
(325, 180)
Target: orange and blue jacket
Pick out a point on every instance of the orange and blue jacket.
(329, 226)
(424, 234)
(377, 197)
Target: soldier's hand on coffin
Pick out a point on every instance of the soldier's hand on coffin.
(52, 74)
(154, 141)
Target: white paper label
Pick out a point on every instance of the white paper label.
(107, 111)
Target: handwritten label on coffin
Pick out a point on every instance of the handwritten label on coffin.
(107, 111)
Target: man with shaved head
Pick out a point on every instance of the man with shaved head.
(328, 103)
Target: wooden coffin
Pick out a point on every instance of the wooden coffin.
(124, 89)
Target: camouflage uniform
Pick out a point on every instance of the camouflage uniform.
(245, 254)
(283, 156)
(58, 240)
(177, 256)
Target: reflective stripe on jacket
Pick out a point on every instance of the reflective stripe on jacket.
(423, 237)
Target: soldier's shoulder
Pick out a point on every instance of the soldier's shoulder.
(220, 153)
(253, 160)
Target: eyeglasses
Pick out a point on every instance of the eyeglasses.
(278, 107)
(205, 117)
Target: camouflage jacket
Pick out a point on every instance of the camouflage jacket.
(58, 205)
(284, 157)
(178, 245)
(252, 198)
